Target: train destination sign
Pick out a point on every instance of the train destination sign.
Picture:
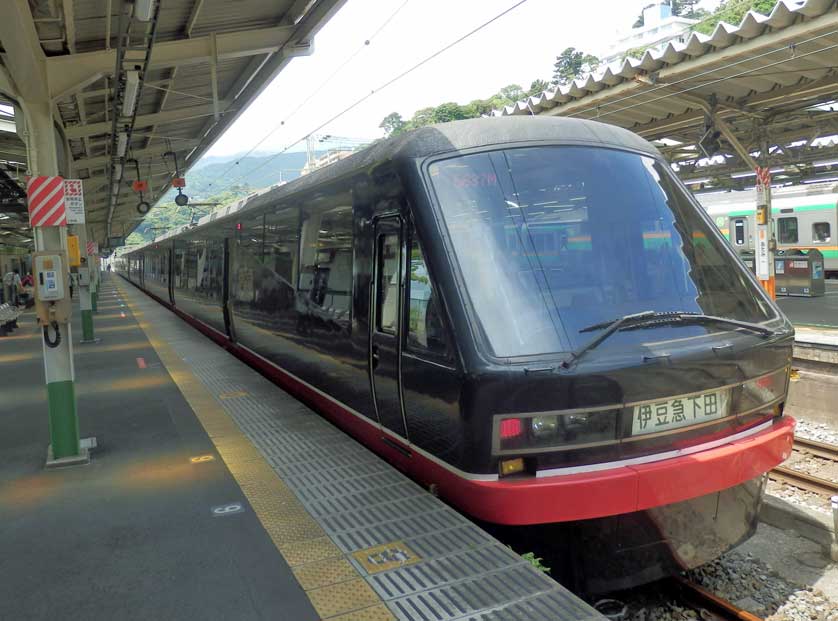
(680, 412)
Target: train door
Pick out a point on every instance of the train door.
(386, 325)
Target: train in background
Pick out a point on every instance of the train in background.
(531, 316)
(805, 217)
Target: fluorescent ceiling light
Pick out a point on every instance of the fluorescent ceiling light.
(129, 95)
(742, 175)
(694, 181)
(826, 180)
(143, 9)
(121, 144)
(825, 163)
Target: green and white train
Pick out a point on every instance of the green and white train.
(805, 216)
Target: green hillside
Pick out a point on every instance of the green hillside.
(221, 183)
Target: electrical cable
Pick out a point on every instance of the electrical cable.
(795, 56)
(710, 83)
(52, 344)
(386, 84)
(317, 90)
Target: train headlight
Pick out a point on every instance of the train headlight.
(757, 393)
(543, 432)
(544, 426)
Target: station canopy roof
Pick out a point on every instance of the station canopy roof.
(771, 78)
(200, 64)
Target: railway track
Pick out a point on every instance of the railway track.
(804, 481)
(701, 598)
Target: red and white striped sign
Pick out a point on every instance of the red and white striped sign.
(763, 176)
(92, 248)
(46, 201)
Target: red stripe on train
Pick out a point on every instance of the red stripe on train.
(563, 498)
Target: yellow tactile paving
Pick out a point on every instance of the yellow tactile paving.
(302, 552)
(325, 572)
(343, 597)
(334, 586)
(373, 613)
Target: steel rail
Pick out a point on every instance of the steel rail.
(801, 480)
(819, 449)
(698, 596)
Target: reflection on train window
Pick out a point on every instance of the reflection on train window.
(821, 232)
(425, 327)
(739, 232)
(787, 230)
(387, 289)
(552, 239)
(326, 275)
(263, 272)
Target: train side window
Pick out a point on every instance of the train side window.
(387, 289)
(821, 232)
(787, 230)
(426, 331)
(739, 232)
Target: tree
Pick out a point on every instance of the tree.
(571, 64)
(513, 92)
(537, 87)
(688, 9)
(393, 124)
(732, 12)
(449, 111)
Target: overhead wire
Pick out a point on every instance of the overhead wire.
(319, 88)
(601, 114)
(386, 84)
(791, 47)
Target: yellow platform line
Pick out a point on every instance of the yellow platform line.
(335, 588)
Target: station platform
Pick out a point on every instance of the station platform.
(820, 312)
(213, 494)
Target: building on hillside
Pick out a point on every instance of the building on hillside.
(324, 160)
(660, 27)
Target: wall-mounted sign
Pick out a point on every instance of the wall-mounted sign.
(74, 201)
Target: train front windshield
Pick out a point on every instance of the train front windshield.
(550, 240)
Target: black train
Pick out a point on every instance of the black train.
(451, 298)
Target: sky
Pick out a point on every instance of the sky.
(517, 48)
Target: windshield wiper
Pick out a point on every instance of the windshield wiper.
(698, 318)
(610, 328)
(651, 319)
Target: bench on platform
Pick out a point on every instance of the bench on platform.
(8, 318)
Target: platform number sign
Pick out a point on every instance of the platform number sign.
(74, 201)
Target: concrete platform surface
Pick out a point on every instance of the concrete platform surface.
(215, 495)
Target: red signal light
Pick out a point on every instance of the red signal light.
(511, 428)
(238, 226)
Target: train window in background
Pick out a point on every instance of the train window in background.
(739, 232)
(821, 232)
(425, 327)
(387, 290)
(787, 230)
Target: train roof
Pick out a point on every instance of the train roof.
(438, 140)
(476, 133)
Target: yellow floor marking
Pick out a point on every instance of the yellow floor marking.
(200, 459)
(232, 395)
(336, 589)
